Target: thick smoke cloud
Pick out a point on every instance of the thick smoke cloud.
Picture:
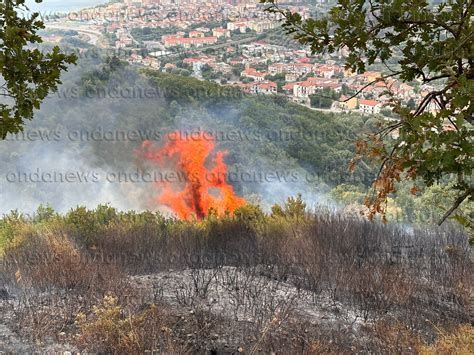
(80, 149)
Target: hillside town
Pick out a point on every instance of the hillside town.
(237, 177)
(237, 43)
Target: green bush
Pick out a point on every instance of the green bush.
(294, 208)
(12, 225)
(87, 226)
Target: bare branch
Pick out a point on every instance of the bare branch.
(455, 205)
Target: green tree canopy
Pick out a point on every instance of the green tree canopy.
(27, 74)
(416, 41)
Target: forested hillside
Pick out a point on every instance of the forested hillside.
(275, 148)
(100, 102)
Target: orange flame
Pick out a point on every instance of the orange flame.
(203, 188)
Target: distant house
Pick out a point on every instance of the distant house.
(221, 67)
(324, 71)
(300, 68)
(221, 32)
(369, 107)
(295, 68)
(266, 87)
(288, 88)
(241, 26)
(290, 77)
(370, 76)
(406, 91)
(253, 74)
(337, 87)
(152, 62)
(237, 61)
(203, 59)
(276, 68)
(303, 60)
(302, 90)
(189, 42)
(196, 34)
(350, 104)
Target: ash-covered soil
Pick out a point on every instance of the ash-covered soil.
(220, 309)
(229, 298)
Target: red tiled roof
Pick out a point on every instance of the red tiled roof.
(368, 102)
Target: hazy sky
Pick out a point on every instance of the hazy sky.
(62, 5)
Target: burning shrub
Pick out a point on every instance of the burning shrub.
(202, 188)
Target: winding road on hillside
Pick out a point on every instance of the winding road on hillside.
(94, 36)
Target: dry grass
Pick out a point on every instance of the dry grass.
(460, 341)
(395, 285)
(108, 329)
